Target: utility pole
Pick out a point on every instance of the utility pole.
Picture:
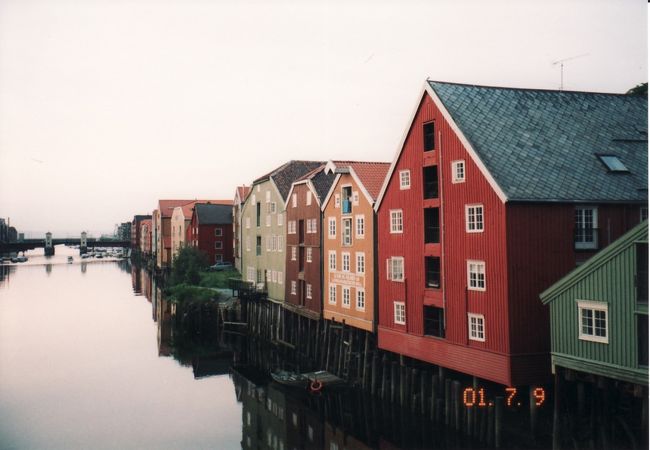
(561, 63)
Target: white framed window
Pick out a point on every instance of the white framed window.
(476, 275)
(332, 260)
(395, 268)
(399, 316)
(218, 245)
(476, 325)
(274, 276)
(291, 227)
(248, 222)
(331, 299)
(331, 227)
(268, 196)
(280, 244)
(314, 225)
(346, 232)
(293, 287)
(360, 226)
(280, 219)
(345, 257)
(248, 243)
(218, 258)
(404, 179)
(458, 171)
(346, 297)
(268, 275)
(474, 218)
(355, 198)
(361, 262)
(294, 200)
(280, 278)
(268, 220)
(592, 321)
(337, 200)
(268, 244)
(308, 254)
(586, 227)
(361, 299)
(217, 232)
(294, 253)
(396, 224)
(250, 274)
(274, 242)
(272, 208)
(308, 198)
(308, 293)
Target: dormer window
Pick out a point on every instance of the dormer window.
(613, 163)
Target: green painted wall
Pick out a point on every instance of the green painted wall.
(608, 277)
(269, 261)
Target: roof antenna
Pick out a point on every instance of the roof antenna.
(561, 63)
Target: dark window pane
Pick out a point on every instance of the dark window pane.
(433, 272)
(431, 225)
(434, 321)
(430, 176)
(429, 136)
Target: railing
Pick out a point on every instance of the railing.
(585, 238)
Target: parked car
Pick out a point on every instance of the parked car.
(218, 267)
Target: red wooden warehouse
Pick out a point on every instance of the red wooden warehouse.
(304, 233)
(494, 194)
(211, 231)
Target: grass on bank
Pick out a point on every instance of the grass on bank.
(217, 279)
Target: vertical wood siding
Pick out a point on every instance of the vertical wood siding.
(312, 271)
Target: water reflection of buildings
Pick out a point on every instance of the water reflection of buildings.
(5, 272)
(48, 269)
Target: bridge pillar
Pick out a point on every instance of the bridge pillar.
(49, 247)
(83, 243)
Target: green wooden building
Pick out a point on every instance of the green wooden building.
(599, 312)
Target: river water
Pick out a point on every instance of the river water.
(80, 366)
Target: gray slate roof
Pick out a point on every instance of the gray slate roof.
(323, 182)
(287, 173)
(540, 145)
(210, 214)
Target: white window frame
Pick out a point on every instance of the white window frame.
(294, 287)
(280, 219)
(218, 258)
(337, 200)
(308, 291)
(346, 238)
(218, 245)
(308, 252)
(280, 244)
(480, 266)
(294, 253)
(268, 196)
(331, 227)
(291, 227)
(583, 244)
(280, 278)
(218, 232)
(274, 276)
(396, 221)
(360, 258)
(268, 220)
(404, 179)
(455, 178)
(272, 208)
(332, 259)
(345, 257)
(477, 335)
(361, 295)
(345, 299)
(392, 263)
(248, 243)
(399, 313)
(593, 306)
(360, 226)
(331, 298)
(308, 198)
(294, 200)
(472, 215)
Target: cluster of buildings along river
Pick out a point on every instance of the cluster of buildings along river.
(506, 240)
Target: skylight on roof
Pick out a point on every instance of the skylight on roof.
(612, 163)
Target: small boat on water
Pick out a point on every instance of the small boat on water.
(19, 259)
(70, 259)
(315, 381)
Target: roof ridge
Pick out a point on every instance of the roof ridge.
(512, 88)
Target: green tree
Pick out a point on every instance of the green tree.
(639, 89)
(187, 266)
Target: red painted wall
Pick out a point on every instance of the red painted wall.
(205, 240)
(312, 270)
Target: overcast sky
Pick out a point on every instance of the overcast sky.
(107, 106)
